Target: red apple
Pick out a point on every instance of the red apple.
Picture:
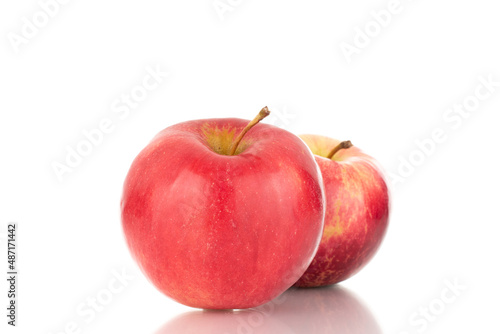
(221, 222)
(357, 211)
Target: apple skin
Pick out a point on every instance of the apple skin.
(357, 212)
(216, 231)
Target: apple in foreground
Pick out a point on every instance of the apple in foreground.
(357, 211)
(223, 213)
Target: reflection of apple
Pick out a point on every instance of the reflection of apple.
(218, 221)
(225, 322)
(331, 309)
(357, 211)
(297, 311)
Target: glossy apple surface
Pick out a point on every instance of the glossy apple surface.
(357, 212)
(220, 231)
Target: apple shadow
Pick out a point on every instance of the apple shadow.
(331, 309)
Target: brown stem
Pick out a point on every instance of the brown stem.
(342, 145)
(264, 112)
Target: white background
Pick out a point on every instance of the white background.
(285, 54)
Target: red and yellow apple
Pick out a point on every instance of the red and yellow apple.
(357, 211)
(220, 215)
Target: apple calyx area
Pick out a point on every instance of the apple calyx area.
(263, 113)
(343, 145)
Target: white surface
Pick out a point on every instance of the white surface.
(287, 55)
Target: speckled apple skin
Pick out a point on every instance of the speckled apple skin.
(216, 231)
(357, 213)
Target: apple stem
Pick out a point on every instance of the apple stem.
(264, 112)
(343, 145)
